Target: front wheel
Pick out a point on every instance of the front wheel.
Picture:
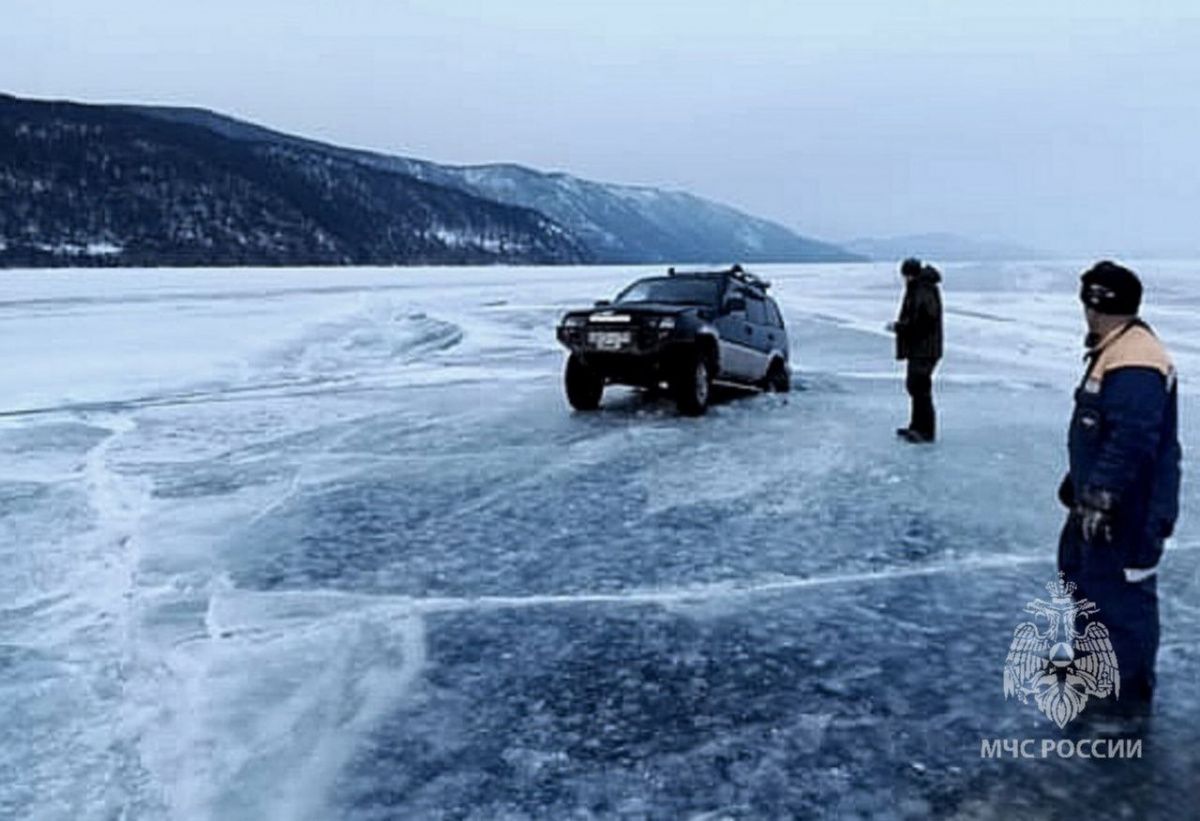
(583, 385)
(692, 386)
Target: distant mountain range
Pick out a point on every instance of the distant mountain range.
(141, 185)
(941, 247)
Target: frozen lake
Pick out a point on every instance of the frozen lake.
(298, 544)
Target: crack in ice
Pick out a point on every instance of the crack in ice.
(666, 596)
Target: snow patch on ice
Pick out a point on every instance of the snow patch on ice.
(265, 709)
(379, 336)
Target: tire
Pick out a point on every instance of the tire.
(778, 380)
(583, 385)
(692, 385)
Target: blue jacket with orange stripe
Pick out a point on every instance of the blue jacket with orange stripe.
(1124, 451)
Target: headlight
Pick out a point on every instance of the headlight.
(574, 321)
(667, 323)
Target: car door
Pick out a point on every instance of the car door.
(759, 336)
(734, 327)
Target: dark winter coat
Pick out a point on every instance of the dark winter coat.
(919, 326)
(1124, 454)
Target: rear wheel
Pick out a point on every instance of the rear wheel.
(583, 385)
(778, 380)
(692, 385)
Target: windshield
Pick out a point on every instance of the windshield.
(674, 290)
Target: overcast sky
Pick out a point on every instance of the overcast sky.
(1068, 126)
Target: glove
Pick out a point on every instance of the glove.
(1066, 492)
(1096, 512)
(1096, 525)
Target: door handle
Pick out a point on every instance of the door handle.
(750, 329)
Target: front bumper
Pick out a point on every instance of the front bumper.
(649, 359)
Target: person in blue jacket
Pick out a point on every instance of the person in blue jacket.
(1123, 486)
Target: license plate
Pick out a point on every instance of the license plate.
(609, 340)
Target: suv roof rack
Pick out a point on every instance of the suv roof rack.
(736, 272)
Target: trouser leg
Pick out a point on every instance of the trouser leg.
(919, 383)
(1130, 612)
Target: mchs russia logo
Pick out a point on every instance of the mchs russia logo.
(1055, 662)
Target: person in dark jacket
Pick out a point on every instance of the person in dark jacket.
(918, 332)
(1122, 490)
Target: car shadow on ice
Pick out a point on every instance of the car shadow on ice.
(659, 402)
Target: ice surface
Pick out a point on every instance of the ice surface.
(328, 544)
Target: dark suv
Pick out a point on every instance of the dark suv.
(682, 331)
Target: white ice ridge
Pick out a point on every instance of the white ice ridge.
(302, 603)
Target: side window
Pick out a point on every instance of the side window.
(773, 316)
(737, 293)
(756, 309)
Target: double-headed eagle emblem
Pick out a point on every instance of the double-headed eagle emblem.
(1053, 661)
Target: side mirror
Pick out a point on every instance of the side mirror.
(603, 303)
(735, 305)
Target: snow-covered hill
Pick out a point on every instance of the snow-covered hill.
(105, 185)
(622, 223)
(615, 223)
